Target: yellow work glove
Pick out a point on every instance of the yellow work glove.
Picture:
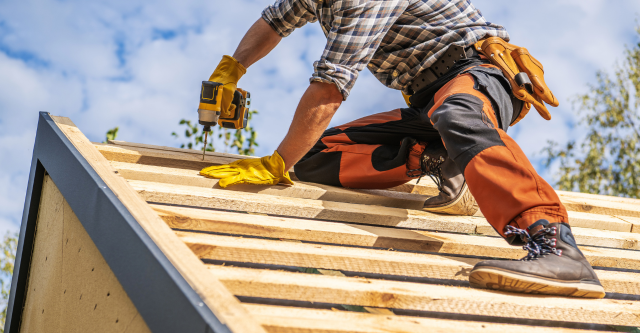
(228, 72)
(268, 170)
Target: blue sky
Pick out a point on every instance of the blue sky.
(138, 65)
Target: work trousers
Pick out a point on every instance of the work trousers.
(470, 115)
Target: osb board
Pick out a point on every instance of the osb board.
(70, 286)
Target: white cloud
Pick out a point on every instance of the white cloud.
(138, 65)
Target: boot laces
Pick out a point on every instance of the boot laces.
(537, 245)
(429, 166)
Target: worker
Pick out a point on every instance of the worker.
(454, 129)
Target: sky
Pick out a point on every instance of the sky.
(138, 65)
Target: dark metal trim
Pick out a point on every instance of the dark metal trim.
(160, 293)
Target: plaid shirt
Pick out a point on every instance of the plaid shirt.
(395, 39)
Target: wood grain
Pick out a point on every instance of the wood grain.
(365, 260)
(221, 302)
(305, 208)
(285, 319)
(302, 190)
(425, 297)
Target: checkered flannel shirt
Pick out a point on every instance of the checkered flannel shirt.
(395, 39)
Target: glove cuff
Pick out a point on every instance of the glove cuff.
(229, 70)
(275, 165)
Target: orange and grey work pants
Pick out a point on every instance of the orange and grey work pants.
(470, 115)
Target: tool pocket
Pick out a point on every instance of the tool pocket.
(525, 74)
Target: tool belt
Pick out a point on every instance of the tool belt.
(442, 66)
(523, 71)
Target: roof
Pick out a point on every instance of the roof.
(196, 258)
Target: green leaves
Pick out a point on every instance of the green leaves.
(607, 161)
(243, 140)
(112, 134)
(8, 250)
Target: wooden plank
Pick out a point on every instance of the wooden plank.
(158, 157)
(598, 206)
(586, 236)
(352, 234)
(191, 159)
(213, 293)
(428, 186)
(285, 319)
(304, 190)
(601, 197)
(372, 261)
(424, 297)
(598, 221)
(635, 223)
(301, 190)
(344, 212)
(305, 208)
(196, 152)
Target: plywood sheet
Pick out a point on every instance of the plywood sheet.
(71, 287)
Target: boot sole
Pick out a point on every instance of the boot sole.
(463, 204)
(496, 279)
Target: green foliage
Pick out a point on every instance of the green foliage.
(608, 160)
(242, 140)
(112, 134)
(7, 257)
(192, 132)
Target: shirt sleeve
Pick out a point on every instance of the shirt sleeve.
(284, 16)
(356, 33)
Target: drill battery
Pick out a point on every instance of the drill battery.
(209, 110)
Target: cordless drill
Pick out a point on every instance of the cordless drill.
(210, 113)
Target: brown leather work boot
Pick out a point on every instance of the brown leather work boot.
(454, 197)
(554, 265)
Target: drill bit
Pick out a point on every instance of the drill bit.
(206, 130)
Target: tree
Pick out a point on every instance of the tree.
(607, 161)
(243, 140)
(8, 250)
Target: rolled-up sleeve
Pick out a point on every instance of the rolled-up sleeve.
(356, 33)
(284, 16)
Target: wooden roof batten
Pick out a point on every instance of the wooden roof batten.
(194, 257)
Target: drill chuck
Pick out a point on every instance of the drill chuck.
(208, 117)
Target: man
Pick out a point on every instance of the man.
(454, 130)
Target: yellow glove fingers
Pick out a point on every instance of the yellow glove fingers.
(219, 172)
(233, 180)
(268, 170)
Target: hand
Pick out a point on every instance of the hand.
(268, 170)
(228, 72)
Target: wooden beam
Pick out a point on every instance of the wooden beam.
(598, 206)
(277, 205)
(196, 152)
(304, 190)
(424, 297)
(353, 234)
(635, 223)
(346, 212)
(301, 190)
(213, 293)
(285, 319)
(121, 151)
(332, 257)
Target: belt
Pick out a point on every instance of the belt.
(439, 68)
